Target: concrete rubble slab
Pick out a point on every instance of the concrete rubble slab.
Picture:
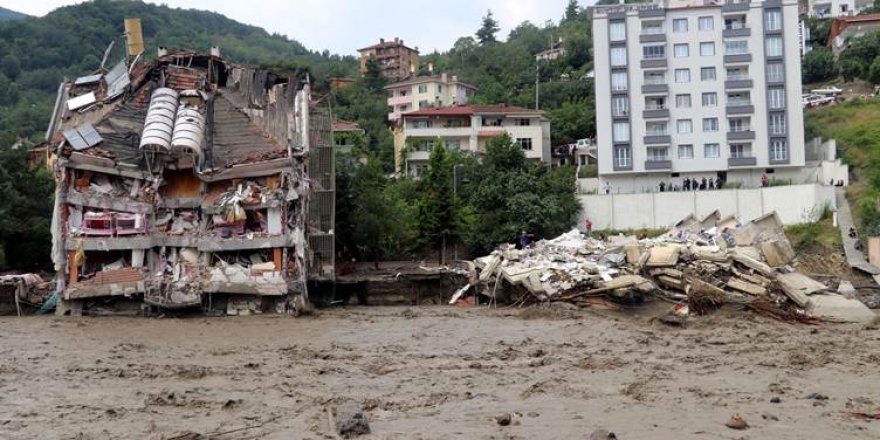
(798, 286)
(778, 253)
(838, 308)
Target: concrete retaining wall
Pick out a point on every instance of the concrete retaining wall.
(793, 203)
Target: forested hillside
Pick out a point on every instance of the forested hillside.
(8, 14)
(36, 53)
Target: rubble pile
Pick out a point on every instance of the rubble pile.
(698, 266)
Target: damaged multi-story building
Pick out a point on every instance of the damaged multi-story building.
(190, 181)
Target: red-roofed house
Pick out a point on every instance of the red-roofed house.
(468, 127)
(844, 28)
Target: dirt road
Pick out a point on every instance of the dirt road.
(435, 373)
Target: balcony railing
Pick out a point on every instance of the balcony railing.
(653, 80)
(738, 102)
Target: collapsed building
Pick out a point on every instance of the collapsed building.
(190, 181)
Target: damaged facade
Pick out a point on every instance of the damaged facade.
(189, 176)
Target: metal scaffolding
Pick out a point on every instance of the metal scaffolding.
(322, 203)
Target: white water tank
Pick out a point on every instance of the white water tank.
(189, 129)
(159, 124)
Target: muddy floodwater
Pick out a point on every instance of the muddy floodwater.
(436, 373)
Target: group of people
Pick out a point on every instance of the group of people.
(694, 184)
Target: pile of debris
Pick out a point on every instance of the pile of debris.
(699, 265)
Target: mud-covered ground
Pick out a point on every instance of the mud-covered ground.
(435, 373)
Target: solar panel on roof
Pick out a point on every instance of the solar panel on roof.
(75, 139)
(88, 133)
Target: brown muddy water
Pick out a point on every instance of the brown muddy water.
(435, 373)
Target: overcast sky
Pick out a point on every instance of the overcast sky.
(343, 26)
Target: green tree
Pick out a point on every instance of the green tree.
(818, 65)
(25, 213)
(486, 33)
(437, 223)
(10, 66)
(851, 69)
(374, 80)
(572, 10)
(874, 72)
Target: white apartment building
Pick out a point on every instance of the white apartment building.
(836, 8)
(468, 128)
(693, 89)
(427, 91)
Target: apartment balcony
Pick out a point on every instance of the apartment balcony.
(658, 138)
(735, 58)
(652, 38)
(620, 114)
(441, 132)
(740, 108)
(654, 63)
(400, 100)
(734, 83)
(656, 113)
(418, 155)
(652, 12)
(744, 135)
(655, 88)
(737, 32)
(742, 161)
(620, 91)
(653, 165)
(735, 7)
(623, 165)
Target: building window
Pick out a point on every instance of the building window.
(777, 123)
(778, 150)
(707, 23)
(620, 132)
(775, 72)
(738, 73)
(707, 74)
(655, 77)
(622, 157)
(773, 20)
(657, 154)
(424, 104)
(525, 143)
(707, 49)
(655, 103)
(421, 123)
(773, 45)
(776, 98)
(739, 99)
(685, 126)
(403, 93)
(656, 129)
(423, 145)
(682, 75)
(617, 31)
(710, 99)
(682, 50)
(524, 122)
(618, 56)
(683, 101)
(452, 144)
(423, 88)
(736, 47)
(620, 106)
(654, 51)
(711, 151)
(652, 27)
(618, 81)
(685, 151)
(738, 125)
(710, 124)
(680, 25)
(738, 151)
(491, 122)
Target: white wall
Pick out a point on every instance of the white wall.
(794, 204)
